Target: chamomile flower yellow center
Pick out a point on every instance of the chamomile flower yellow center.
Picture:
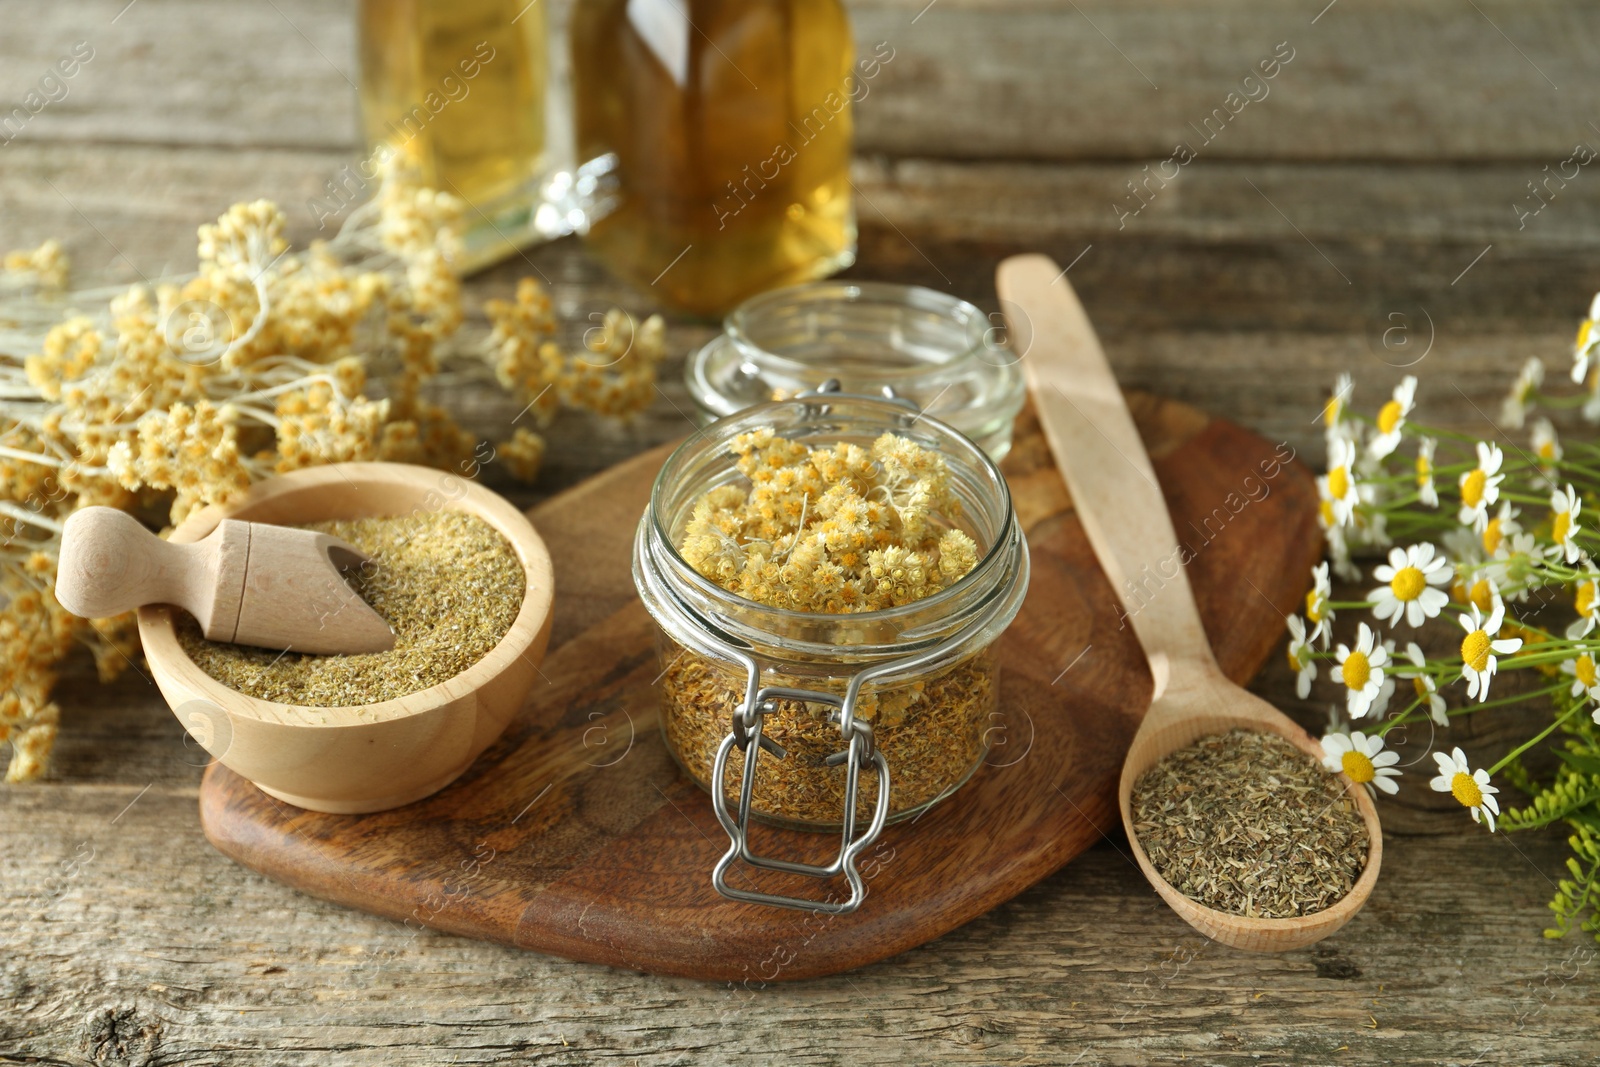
(1464, 787)
(1420, 684)
(1408, 583)
(1547, 450)
(1472, 487)
(1475, 650)
(1330, 413)
(1584, 670)
(1584, 329)
(1560, 527)
(1480, 594)
(1389, 416)
(1338, 483)
(1314, 606)
(1583, 600)
(1358, 766)
(1493, 534)
(1424, 470)
(1356, 669)
(1328, 517)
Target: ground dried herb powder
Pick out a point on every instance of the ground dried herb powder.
(447, 582)
(1246, 823)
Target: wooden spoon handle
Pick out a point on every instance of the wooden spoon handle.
(1103, 460)
(111, 564)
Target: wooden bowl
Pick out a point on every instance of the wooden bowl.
(373, 756)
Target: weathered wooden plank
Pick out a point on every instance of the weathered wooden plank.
(126, 940)
(1021, 79)
(1207, 296)
(1367, 79)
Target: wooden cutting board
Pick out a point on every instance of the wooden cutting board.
(577, 835)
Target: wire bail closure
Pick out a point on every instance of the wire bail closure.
(747, 737)
(745, 734)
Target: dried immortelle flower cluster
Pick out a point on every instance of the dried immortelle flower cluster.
(834, 531)
(831, 530)
(179, 394)
(447, 582)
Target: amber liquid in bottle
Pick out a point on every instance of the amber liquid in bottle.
(457, 89)
(722, 130)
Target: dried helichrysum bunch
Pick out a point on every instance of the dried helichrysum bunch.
(614, 373)
(45, 267)
(831, 530)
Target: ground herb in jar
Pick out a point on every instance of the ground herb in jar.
(835, 530)
(1246, 823)
(447, 582)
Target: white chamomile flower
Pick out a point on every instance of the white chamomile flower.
(1411, 574)
(1362, 759)
(1380, 704)
(1583, 349)
(1565, 504)
(1427, 492)
(1480, 487)
(1582, 671)
(1514, 409)
(1338, 486)
(1470, 787)
(1546, 445)
(1361, 670)
(1497, 529)
(1300, 656)
(1510, 568)
(1392, 417)
(1427, 688)
(1479, 648)
(1586, 602)
(1317, 609)
(1334, 409)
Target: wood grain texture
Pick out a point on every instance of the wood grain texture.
(577, 835)
(159, 950)
(1019, 79)
(1210, 297)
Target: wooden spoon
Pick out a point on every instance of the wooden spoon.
(1114, 491)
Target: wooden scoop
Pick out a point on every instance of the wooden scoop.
(1116, 497)
(246, 582)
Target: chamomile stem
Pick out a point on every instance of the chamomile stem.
(1536, 738)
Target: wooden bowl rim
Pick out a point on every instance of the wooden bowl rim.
(159, 635)
(1255, 933)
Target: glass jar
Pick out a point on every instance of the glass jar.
(456, 92)
(935, 350)
(857, 718)
(719, 133)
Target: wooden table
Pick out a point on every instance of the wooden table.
(1363, 216)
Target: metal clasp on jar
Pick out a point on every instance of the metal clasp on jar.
(859, 749)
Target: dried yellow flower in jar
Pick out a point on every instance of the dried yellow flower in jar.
(833, 530)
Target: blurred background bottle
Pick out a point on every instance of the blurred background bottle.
(715, 136)
(458, 89)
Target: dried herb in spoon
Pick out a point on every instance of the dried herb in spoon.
(1246, 823)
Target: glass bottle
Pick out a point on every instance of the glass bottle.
(456, 89)
(718, 134)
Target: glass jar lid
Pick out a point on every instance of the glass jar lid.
(935, 350)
